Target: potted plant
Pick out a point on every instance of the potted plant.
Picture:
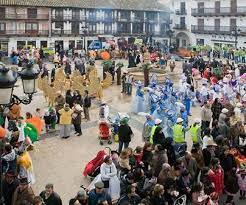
(119, 65)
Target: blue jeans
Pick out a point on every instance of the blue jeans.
(126, 144)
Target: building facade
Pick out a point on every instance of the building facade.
(76, 23)
(210, 22)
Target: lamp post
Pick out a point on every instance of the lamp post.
(8, 79)
(236, 32)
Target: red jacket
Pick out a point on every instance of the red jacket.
(217, 177)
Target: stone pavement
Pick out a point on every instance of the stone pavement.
(62, 161)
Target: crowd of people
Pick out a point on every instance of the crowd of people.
(163, 170)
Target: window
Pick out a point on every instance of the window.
(108, 15)
(137, 28)
(31, 26)
(108, 28)
(2, 12)
(2, 27)
(200, 42)
(31, 13)
(59, 25)
(125, 15)
(58, 13)
(151, 16)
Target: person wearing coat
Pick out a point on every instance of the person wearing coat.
(109, 178)
(164, 173)
(59, 103)
(23, 192)
(231, 185)
(216, 175)
(159, 158)
(227, 160)
(158, 137)
(125, 133)
(65, 121)
(76, 118)
(190, 164)
(10, 183)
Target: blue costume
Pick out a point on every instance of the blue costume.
(138, 104)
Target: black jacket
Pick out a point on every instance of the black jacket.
(125, 133)
(54, 199)
(228, 162)
(8, 191)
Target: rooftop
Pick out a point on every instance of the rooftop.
(144, 5)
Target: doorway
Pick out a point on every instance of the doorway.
(234, 6)
(43, 44)
(58, 46)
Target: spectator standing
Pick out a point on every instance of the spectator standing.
(65, 121)
(50, 197)
(86, 105)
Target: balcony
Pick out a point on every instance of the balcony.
(222, 30)
(8, 16)
(27, 33)
(222, 11)
(180, 26)
(68, 18)
(180, 12)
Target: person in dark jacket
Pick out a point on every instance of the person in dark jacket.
(216, 109)
(125, 133)
(158, 137)
(86, 104)
(69, 98)
(10, 183)
(76, 118)
(49, 196)
(67, 69)
(168, 145)
(77, 97)
(147, 155)
(158, 195)
(130, 197)
(98, 194)
(227, 160)
(215, 132)
(231, 185)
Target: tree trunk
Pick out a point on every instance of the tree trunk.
(146, 77)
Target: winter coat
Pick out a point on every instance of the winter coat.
(156, 200)
(231, 184)
(94, 197)
(191, 166)
(159, 158)
(217, 177)
(125, 133)
(76, 116)
(158, 138)
(9, 161)
(228, 162)
(53, 199)
(8, 191)
(206, 114)
(124, 163)
(66, 116)
(199, 159)
(147, 158)
(26, 194)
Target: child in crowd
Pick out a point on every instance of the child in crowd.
(138, 154)
(50, 119)
(241, 174)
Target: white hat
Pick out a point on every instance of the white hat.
(197, 120)
(224, 110)
(179, 120)
(158, 121)
(238, 105)
(211, 143)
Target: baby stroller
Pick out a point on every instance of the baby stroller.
(104, 132)
(92, 169)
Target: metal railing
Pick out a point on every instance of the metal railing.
(180, 26)
(180, 12)
(222, 11)
(222, 30)
(7, 16)
(24, 32)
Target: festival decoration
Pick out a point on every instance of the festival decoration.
(105, 55)
(2, 132)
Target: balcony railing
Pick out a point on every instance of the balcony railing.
(8, 16)
(180, 26)
(222, 30)
(68, 17)
(180, 12)
(222, 11)
(32, 33)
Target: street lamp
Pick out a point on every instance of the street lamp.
(8, 78)
(236, 32)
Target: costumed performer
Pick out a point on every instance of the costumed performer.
(138, 100)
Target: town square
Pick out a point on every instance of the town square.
(122, 102)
